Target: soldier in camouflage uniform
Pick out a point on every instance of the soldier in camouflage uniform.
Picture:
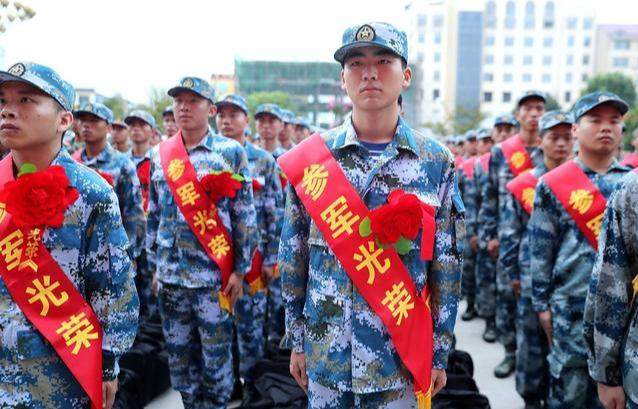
(198, 331)
(610, 313)
(90, 247)
(493, 217)
(561, 258)
(532, 373)
(250, 311)
(342, 352)
(168, 122)
(116, 168)
(287, 135)
(120, 137)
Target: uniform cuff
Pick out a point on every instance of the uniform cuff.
(110, 368)
(294, 337)
(607, 376)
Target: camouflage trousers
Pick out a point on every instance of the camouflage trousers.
(468, 281)
(199, 341)
(143, 284)
(322, 397)
(485, 284)
(275, 321)
(250, 317)
(505, 310)
(532, 370)
(573, 389)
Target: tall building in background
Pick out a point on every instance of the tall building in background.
(223, 84)
(484, 53)
(617, 50)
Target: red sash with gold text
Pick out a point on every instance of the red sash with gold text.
(253, 278)
(200, 214)
(580, 197)
(378, 274)
(485, 161)
(523, 188)
(468, 167)
(49, 300)
(516, 155)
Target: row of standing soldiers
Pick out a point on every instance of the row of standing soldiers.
(535, 188)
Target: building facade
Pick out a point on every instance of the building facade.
(617, 50)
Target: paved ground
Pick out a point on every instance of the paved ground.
(501, 392)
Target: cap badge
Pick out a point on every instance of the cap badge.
(560, 117)
(604, 98)
(188, 83)
(365, 33)
(17, 70)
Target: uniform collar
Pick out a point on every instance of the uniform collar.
(403, 137)
(615, 166)
(206, 142)
(251, 150)
(102, 157)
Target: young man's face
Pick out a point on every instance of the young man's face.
(374, 78)
(170, 126)
(29, 117)
(484, 145)
(93, 129)
(231, 121)
(557, 143)
(120, 134)
(469, 147)
(269, 126)
(529, 113)
(288, 133)
(502, 131)
(141, 132)
(156, 138)
(599, 131)
(301, 133)
(192, 111)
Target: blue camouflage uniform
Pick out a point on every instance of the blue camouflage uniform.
(610, 328)
(198, 332)
(561, 260)
(467, 188)
(348, 350)
(91, 249)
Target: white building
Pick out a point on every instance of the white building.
(617, 50)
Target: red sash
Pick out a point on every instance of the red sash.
(458, 162)
(468, 167)
(580, 197)
(630, 159)
(523, 188)
(378, 274)
(516, 155)
(200, 214)
(144, 175)
(253, 278)
(485, 161)
(49, 300)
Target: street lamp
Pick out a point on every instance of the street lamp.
(13, 11)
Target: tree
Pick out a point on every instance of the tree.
(551, 103)
(282, 99)
(616, 82)
(158, 102)
(118, 105)
(631, 124)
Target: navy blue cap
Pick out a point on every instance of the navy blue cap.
(532, 94)
(484, 134)
(272, 109)
(554, 118)
(505, 119)
(469, 135)
(594, 99)
(382, 35)
(193, 84)
(288, 116)
(96, 109)
(143, 115)
(235, 100)
(43, 78)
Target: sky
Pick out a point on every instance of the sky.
(130, 47)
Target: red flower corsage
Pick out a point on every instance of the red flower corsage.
(222, 184)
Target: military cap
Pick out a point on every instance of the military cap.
(552, 119)
(272, 109)
(303, 122)
(505, 119)
(470, 135)
(119, 124)
(167, 110)
(193, 84)
(592, 100)
(143, 115)
(382, 35)
(96, 109)
(484, 134)
(532, 94)
(235, 100)
(288, 116)
(43, 78)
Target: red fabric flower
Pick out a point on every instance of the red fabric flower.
(107, 176)
(402, 216)
(219, 185)
(40, 198)
(256, 185)
(144, 173)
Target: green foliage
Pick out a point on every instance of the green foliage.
(465, 119)
(631, 124)
(276, 97)
(118, 105)
(551, 103)
(158, 102)
(616, 82)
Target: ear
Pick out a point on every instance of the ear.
(213, 109)
(407, 77)
(65, 121)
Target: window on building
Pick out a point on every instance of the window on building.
(436, 76)
(435, 94)
(420, 56)
(548, 17)
(438, 21)
(421, 37)
(507, 96)
(547, 42)
(527, 77)
(509, 41)
(568, 96)
(546, 78)
(489, 40)
(487, 97)
(570, 60)
(437, 57)
(507, 77)
(508, 60)
(529, 41)
(621, 44)
(422, 20)
(585, 77)
(490, 14)
(530, 15)
(489, 59)
(437, 37)
(568, 77)
(510, 15)
(488, 77)
(571, 23)
(585, 60)
(621, 62)
(547, 60)
(587, 41)
(528, 60)
(571, 41)
(588, 23)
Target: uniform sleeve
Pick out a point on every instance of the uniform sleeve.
(109, 282)
(512, 229)
(242, 218)
(470, 200)
(293, 263)
(273, 203)
(152, 222)
(129, 193)
(488, 212)
(444, 277)
(608, 306)
(544, 240)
